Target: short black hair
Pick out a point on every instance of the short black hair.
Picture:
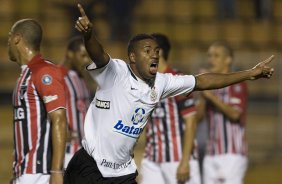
(228, 49)
(31, 31)
(75, 43)
(163, 43)
(132, 42)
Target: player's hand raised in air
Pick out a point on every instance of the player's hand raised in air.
(263, 70)
(83, 24)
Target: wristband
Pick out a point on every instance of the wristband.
(56, 171)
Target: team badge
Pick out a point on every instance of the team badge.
(237, 88)
(138, 116)
(153, 94)
(46, 79)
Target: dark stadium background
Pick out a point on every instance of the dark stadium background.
(192, 25)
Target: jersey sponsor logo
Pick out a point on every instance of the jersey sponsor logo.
(46, 79)
(19, 113)
(47, 99)
(235, 100)
(103, 104)
(114, 165)
(131, 131)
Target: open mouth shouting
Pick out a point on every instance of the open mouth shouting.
(154, 68)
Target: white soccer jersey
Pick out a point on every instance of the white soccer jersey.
(119, 113)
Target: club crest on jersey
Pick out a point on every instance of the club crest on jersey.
(138, 116)
(46, 79)
(131, 131)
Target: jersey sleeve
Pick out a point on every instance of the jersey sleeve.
(175, 85)
(49, 82)
(106, 76)
(186, 105)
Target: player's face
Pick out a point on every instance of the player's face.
(147, 58)
(80, 59)
(11, 47)
(217, 59)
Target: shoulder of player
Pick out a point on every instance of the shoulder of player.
(45, 67)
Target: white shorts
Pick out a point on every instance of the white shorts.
(225, 169)
(165, 173)
(68, 157)
(32, 179)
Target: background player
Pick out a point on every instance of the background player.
(39, 109)
(225, 160)
(126, 95)
(78, 97)
(169, 156)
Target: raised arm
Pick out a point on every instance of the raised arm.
(93, 46)
(208, 81)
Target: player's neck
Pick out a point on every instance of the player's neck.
(26, 56)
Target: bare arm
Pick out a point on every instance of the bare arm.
(59, 127)
(208, 81)
(183, 170)
(92, 45)
(229, 111)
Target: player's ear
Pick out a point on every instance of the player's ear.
(132, 57)
(69, 54)
(17, 38)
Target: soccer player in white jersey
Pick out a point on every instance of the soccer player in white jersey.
(126, 95)
(225, 160)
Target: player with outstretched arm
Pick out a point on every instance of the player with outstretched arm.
(126, 95)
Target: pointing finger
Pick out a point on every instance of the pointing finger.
(82, 12)
(268, 60)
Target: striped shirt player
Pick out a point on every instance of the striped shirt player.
(226, 146)
(225, 135)
(164, 139)
(39, 91)
(78, 100)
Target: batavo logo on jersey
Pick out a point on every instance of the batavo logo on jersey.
(102, 104)
(131, 131)
(19, 113)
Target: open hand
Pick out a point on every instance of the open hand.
(83, 24)
(262, 70)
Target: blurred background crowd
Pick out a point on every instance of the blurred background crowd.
(252, 27)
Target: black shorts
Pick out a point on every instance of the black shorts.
(82, 169)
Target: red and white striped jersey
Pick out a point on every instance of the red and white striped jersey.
(39, 91)
(78, 100)
(165, 128)
(226, 136)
